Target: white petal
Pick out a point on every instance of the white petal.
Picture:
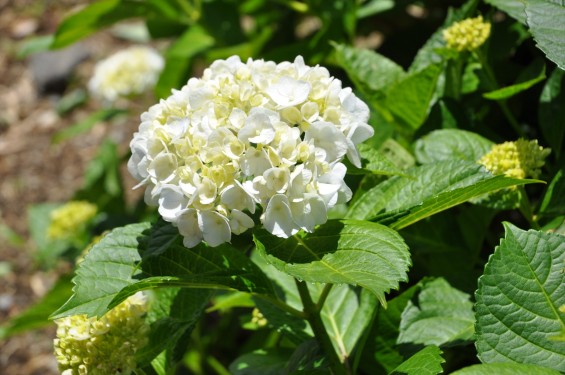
(288, 92)
(215, 228)
(236, 197)
(187, 223)
(240, 222)
(309, 212)
(278, 218)
(162, 168)
(171, 202)
(326, 136)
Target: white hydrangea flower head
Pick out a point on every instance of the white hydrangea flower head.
(247, 134)
(106, 345)
(131, 71)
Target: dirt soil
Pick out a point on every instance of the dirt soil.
(35, 170)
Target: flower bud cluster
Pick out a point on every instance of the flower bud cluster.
(467, 35)
(248, 134)
(70, 218)
(519, 159)
(128, 72)
(103, 346)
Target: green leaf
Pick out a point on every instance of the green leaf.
(373, 7)
(37, 316)
(425, 362)
(173, 314)
(551, 114)
(528, 78)
(369, 71)
(518, 299)
(261, 362)
(505, 369)
(95, 17)
(381, 351)
(449, 144)
(35, 45)
(432, 188)
(88, 123)
(346, 314)
(178, 59)
(48, 250)
(441, 315)
(545, 21)
(411, 98)
(553, 203)
(108, 267)
(373, 162)
(230, 300)
(221, 267)
(515, 9)
(103, 182)
(341, 251)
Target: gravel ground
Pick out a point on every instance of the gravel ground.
(34, 170)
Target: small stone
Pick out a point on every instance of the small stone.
(52, 69)
(22, 28)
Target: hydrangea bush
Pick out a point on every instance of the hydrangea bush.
(247, 134)
(309, 206)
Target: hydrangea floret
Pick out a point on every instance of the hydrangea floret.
(103, 346)
(70, 219)
(467, 35)
(248, 134)
(131, 71)
(519, 159)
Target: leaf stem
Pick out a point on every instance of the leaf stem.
(493, 85)
(323, 296)
(526, 209)
(313, 317)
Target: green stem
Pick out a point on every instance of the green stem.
(493, 85)
(526, 209)
(323, 296)
(313, 316)
(218, 367)
(453, 78)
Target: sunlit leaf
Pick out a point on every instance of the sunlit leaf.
(518, 300)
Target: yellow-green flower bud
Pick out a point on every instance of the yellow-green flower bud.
(104, 346)
(258, 318)
(70, 218)
(467, 35)
(520, 159)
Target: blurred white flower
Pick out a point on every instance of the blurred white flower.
(128, 72)
(247, 134)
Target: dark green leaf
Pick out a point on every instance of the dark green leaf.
(441, 315)
(426, 362)
(381, 351)
(505, 369)
(551, 112)
(85, 125)
(545, 21)
(341, 252)
(261, 362)
(553, 203)
(518, 299)
(449, 144)
(529, 77)
(173, 314)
